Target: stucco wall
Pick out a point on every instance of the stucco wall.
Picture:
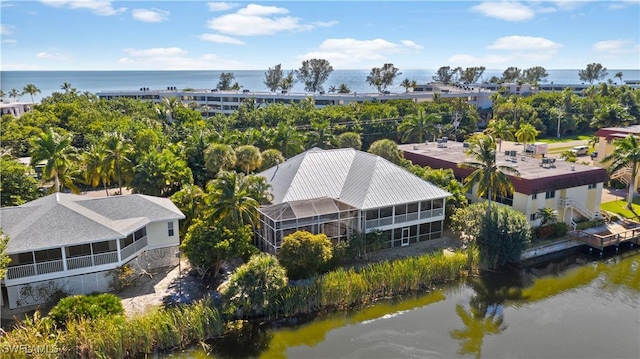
(157, 235)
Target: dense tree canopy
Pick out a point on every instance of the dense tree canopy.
(17, 186)
(383, 77)
(313, 73)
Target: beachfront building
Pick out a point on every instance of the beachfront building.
(573, 190)
(73, 243)
(214, 101)
(15, 109)
(606, 145)
(343, 191)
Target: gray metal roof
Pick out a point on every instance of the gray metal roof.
(64, 219)
(357, 178)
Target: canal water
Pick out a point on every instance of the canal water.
(576, 306)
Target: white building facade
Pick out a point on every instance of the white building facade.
(72, 244)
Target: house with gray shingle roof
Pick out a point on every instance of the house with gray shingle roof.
(342, 191)
(71, 243)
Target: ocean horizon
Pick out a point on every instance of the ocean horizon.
(108, 80)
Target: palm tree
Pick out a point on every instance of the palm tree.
(15, 94)
(117, 150)
(31, 89)
(288, 140)
(407, 84)
(248, 158)
(526, 134)
(500, 130)
(548, 215)
(229, 200)
(619, 75)
(58, 153)
(344, 88)
(419, 126)
(2, 94)
(96, 169)
(626, 154)
(490, 177)
(321, 134)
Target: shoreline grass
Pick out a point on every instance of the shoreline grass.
(174, 328)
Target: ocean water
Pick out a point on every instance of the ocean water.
(95, 81)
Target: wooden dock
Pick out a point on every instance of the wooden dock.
(611, 234)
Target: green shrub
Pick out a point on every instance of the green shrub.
(253, 289)
(304, 254)
(86, 307)
(560, 228)
(589, 224)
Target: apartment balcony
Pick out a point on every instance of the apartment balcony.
(77, 262)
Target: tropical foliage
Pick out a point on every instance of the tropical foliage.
(626, 155)
(304, 254)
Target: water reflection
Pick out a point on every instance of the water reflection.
(459, 319)
(485, 315)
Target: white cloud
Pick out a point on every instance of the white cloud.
(9, 41)
(524, 43)
(348, 52)
(98, 7)
(221, 6)
(260, 10)
(505, 10)
(6, 30)
(51, 56)
(157, 51)
(176, 60)
(221, 39)
(255, 20)
(153, 15)
(411, 44)
(615, 47)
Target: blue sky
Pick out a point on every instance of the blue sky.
(255, 35)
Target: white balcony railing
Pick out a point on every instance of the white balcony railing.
(79, 262)
(134, 247)
(29, 270)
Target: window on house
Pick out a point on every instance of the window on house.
(532, 217)
(592, 186)
(550, 194)
(534, 196)
(170, 230)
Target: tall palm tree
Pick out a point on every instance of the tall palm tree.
(229, 200)
(626, 154)
(58, 153)
(118, 150)
(97, 170)
(526, 134)
(490, 177)
(288, 140)
(344, 88)
(418, 125)
(2, 94)
(15, 94)
(248, 158)
(500, 130)
(619, 75)
(31, 89)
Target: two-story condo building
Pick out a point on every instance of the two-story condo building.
(342, 191)
(73, 243)
(214, 101)
(606, 145)
(573, 190)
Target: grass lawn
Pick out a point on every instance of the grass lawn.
(583, 137)
(619, 207)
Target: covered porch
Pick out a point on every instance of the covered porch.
(75, 257)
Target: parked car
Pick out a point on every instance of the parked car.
(580, 150)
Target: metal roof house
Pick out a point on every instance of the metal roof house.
(72, 243)
(342, 191)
